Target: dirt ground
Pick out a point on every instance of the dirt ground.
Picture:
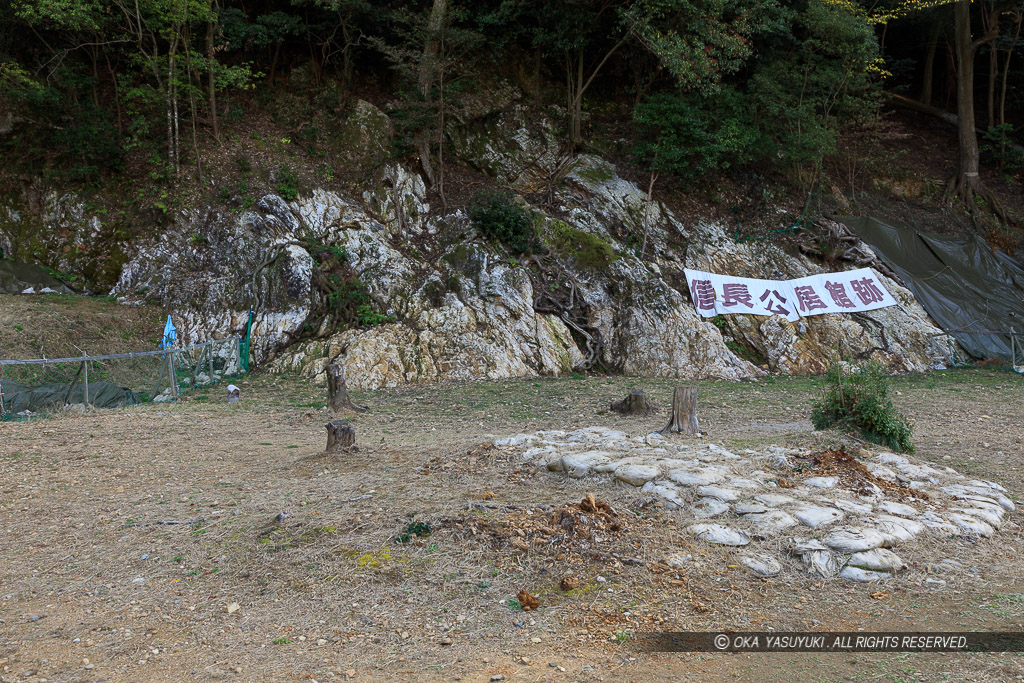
(294, 572)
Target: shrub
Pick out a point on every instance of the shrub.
(498, 218)
(287, 185)
(860, 400)
(1000, 147)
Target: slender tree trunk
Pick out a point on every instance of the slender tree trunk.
(536, 78)
(1019, 16)
(212, 85)
(172, 109)
(427, 77)
(273, 62)
(440, 128)
(929, 65)
(966, 184)
(95, 77)
(965, 51)
(346, 55)
(428, 67)
(993, 75)
(117, 93)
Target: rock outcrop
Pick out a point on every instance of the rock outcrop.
(453, 306)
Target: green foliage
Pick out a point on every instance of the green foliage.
(690, 135)
(498, 218)
(590, 251)
(999, 145)
(417, 529)
(349, 302)
(812, 75)
(698, 42)
(287, 183)
(860, 400)
(367, 316)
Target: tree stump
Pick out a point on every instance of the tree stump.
(340, 437)
(683, 418)
(337, 392)
(635, 403)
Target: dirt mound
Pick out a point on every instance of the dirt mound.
(854, 475)
(573, 527)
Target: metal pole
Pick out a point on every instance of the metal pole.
(170, 373)
(1013, 348)
(209, 350)
(85, 384)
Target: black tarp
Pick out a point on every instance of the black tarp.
(960, 281)
(49, 397)
(16, 277)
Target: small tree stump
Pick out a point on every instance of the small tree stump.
(337, 392)
(635, 403)
(683, 418)
(340, 436)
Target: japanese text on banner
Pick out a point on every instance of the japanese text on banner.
(845, 292)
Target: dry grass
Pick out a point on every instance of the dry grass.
(305, 544)
(57, 326)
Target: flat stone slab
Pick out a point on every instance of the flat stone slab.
(774, 505)
(719, 533)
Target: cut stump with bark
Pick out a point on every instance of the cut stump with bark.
(635, 403)
(683, 418)
(341, 437)
(337, 392)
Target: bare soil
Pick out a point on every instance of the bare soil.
(294, 572)
(61, 326)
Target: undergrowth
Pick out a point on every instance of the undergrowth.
(498, 218)
(859, 399)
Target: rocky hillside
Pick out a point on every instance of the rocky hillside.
(399, 291)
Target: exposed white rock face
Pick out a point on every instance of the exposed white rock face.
(462, 308)
(846, 530)
(899, 336)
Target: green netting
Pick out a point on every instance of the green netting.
(43, 386)
(244, 345)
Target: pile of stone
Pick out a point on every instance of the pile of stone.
(839, 515)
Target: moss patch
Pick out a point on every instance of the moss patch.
(589, 250)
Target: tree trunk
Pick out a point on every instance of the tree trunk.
(337, 391)
(213, 81)
(966, 184)
(634, 403)
(341, 437)
(1019, 16)
(430, 47)
(929, 65)
(683, 418)
(993, 74)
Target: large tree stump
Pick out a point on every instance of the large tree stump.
(683, 418)
(337, 392)
(340, 436)
(635, 403)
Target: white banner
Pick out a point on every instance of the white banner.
(844, 292)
